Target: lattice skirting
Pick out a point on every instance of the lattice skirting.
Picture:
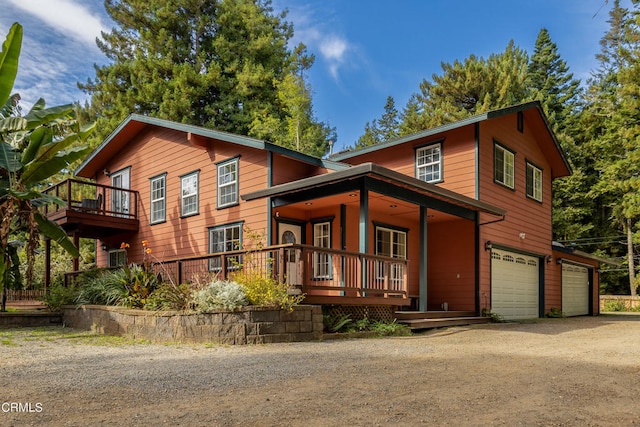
(384, 313)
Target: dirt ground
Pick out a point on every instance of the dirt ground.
(554, 372)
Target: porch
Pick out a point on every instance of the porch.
(325, 276)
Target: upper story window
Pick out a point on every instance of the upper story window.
(228, 183)
(503, 166)
(158, 198)
(189, 194)
(429, 163)
(534, 182)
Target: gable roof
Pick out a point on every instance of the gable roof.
(533, 105)
(136, 123)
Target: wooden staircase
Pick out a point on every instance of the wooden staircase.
(417, 320)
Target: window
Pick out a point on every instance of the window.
(189, 194)
(391, 243)
(322, 260)
(429, 163)
(534, 182)
(158, 199)
(117, 258)
(225, 238)
(228, 183)
(503, 166)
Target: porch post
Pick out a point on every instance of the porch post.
(47, 263)
(76, 243)
(364, 235)
(423, 259)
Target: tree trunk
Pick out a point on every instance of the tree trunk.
(632, 270)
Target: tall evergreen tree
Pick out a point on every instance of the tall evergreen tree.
(613, 116)
(385, 128)
(466, 88)
(217, 64)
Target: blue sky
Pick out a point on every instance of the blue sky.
(365, 50)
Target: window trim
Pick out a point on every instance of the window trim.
(116, 251)
(497, 145)
(397, 272)
(211, 230)
(163, 177)
(236, 182)
(322, 259)
(195, 173)
(440, 162)
(535, 168)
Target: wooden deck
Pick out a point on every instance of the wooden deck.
(91, 210)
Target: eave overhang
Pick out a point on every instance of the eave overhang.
(378, 178)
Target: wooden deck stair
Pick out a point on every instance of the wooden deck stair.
(438, 319)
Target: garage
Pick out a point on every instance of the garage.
(575, 290)
(515, 285)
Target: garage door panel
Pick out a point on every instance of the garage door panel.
(575, 290)
(514, 285)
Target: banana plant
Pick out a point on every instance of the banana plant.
(33, 148)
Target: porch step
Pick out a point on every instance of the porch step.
(408, 315)
(438, 319)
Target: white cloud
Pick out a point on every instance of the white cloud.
(66, 17)
(333, 49)
(313, 28)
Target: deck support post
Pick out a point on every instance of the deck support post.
(76, 243)
(423, 259)
(364, 235)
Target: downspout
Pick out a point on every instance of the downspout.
(269, 184)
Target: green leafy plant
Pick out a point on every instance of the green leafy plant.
(616, 305)
(169, 297)
(336, 322)
(555, 313)
(105, 288)
(390, 328)
(495, 317)
(220, 294)
(59, 295)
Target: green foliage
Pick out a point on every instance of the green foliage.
(390, 328)
(495, 317)
(616, 305)
(58, 295)
(342, 323)
(220, 294)
(224, 65)
(139, 282)
(555, 313)
(336, 323)
(169, 297)
(106, 288)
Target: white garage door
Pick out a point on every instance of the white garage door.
(575, 290)
(514, 285)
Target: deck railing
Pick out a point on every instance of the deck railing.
(315, 271)
(94, 198)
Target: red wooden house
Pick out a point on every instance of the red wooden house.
(457, 217)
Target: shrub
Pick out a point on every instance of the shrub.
(263, 290)
(336, 322)
(140, 282)
(616, 305)
(555, 312)
(169, 297)
(105, 288)
(220, 294)
(59, 295)
(390, 328)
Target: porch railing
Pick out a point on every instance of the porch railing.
(90, 197)
(316, 271)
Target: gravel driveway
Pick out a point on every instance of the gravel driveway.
(554, 372)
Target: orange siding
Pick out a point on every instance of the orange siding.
(451, 261)
(458, 157)
(167, 151)
(286, 169)
(524, 215)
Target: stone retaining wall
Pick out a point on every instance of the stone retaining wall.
(251, 325)
(30, 319)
